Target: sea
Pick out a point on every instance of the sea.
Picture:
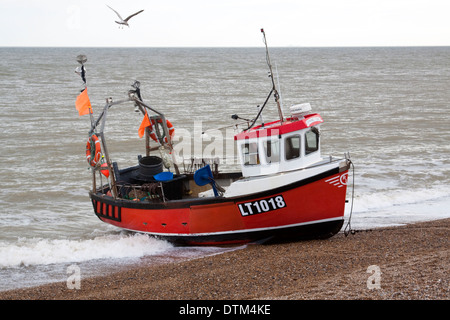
(388, 107)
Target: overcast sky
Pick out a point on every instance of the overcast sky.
(225, 23)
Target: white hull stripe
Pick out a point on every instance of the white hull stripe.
(236, 231)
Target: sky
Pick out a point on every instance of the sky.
(225, 23)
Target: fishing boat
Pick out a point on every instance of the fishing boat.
(284, 190)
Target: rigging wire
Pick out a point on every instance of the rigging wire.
(348, 228)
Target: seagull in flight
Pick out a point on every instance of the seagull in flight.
(124, 22)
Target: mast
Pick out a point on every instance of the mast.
(82, 59)
(274, 88)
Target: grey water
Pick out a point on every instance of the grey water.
(388, 107)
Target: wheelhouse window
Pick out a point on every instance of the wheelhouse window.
(250, 153)
(292, 147)
(272, 150)
(311, 141)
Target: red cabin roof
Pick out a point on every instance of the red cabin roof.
(277, 128)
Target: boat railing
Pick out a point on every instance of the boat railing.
(98, 126)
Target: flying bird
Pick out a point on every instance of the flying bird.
(124, 22)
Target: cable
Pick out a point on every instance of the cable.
(347, 232)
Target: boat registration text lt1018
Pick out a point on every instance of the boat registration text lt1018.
(262, 205)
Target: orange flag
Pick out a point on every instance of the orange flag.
(83, 104)
(144, 124)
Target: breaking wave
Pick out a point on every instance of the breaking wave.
(389, 198)
(399, 207)
(39, 251)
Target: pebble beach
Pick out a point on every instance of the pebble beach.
(409, 262)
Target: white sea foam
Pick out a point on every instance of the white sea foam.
(390, 198)
(28, 252)
(399, 207)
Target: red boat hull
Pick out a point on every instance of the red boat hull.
(311, 208)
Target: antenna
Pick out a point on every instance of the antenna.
(279, 86)
(275, 92)
(81, 70)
